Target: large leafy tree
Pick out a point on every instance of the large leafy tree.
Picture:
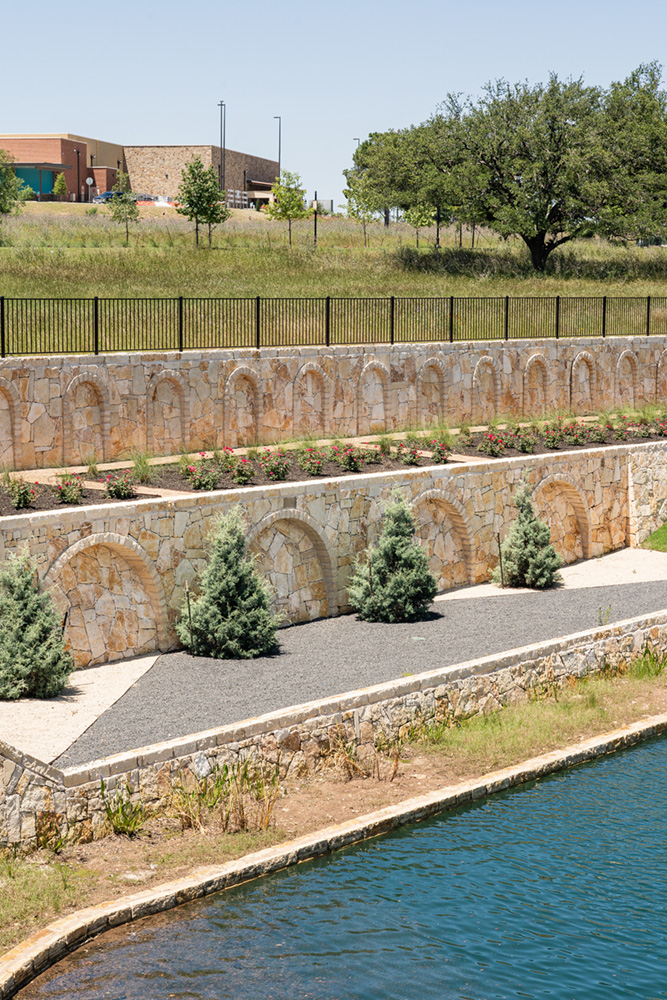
(546, 163)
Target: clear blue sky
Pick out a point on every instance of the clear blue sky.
(153, 72)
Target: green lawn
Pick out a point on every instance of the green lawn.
(657, 541)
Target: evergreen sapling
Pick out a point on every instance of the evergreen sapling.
(33, 659)
(395, 583)
(232, 616)
(528, 557)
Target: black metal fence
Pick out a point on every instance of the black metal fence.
(101, 325)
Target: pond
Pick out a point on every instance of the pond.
(557, 889)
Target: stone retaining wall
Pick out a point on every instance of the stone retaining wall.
(43, 949)
(302, 738)
(120, 569)
(66, 410)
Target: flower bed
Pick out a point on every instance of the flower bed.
(558, 435)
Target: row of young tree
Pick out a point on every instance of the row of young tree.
(546, 163)
(198, 198)
(231, 616)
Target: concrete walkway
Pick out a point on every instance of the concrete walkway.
(47, 729)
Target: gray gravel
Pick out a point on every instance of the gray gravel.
(182, 694)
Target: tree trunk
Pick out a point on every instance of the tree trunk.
(197, 232)
(386, 218)
(127, 232)
(209, 235)
(289, 229)
(538, 250)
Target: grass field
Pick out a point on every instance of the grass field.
(58, 250)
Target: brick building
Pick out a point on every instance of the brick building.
(40, 158)
(157, 170)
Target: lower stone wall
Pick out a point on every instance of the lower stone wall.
(120, 570)
(301, 739)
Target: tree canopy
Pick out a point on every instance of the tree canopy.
(13, 191)
(289, 200)
(122, 207)
(546, 163)
(200, 199)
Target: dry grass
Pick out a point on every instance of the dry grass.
(56, 250)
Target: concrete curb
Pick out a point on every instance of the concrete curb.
(34, 955)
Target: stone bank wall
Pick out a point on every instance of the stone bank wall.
(65, 410)
(302, 738)
(120, 569)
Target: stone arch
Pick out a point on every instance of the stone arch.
(114, 599)
(430, 392)
(565, 511)
(486, 390)
(11, 446)
(86, 424)
(242, 406)
(535, 386)
(166, 414)
(626, 383)
(583, 383)
(450, 551)
(312, 400)
(372, 401)
(661, 379)
(298, 563)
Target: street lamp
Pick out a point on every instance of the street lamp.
(78, 178)
(358, 141)
(223, 149)
(280, 137)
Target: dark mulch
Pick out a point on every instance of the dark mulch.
(45, 499)
(541, 448)
(168, 477)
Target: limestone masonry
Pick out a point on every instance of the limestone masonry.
(66, 410)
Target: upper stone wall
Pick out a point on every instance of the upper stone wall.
(64, 410)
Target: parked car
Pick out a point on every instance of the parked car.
(100, 199)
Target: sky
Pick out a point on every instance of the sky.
(145, 72)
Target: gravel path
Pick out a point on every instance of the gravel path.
(182, 694)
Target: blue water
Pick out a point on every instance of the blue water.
(557, 889)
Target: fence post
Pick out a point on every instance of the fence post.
(604, 315)
(96, 325)
(557, 317)
(451, 319)
(507, 317)
(327, 320)
(392, 305)
(258, 334)
(2, 326)
(648, 315)
(180, 324)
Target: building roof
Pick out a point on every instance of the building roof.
(41, 166)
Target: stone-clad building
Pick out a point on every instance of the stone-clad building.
(157, 170)
(153, 170)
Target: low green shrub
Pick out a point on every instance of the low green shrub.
(349, 458)
(275, 464)
(120, 486)
(69, 489)
(202, 477)
(33, 659)
(125, 816)
(231, 618)
(440, 449)
(21, 494)
(408, 454)
(492, 444)
(243, 471)
(393, 582)
(528, 559)
(311, 460)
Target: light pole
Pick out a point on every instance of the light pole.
(223, 150)
(280, 139)
(358, 141)
(78, 178)
(315, 222)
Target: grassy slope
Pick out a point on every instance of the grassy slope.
(657, 541)
(59, 250)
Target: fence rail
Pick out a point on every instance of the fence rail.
(102, 325)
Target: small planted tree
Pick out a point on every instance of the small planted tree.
(528, 557)
(232, 616)
(33, 659)
(122, 207)
(393, 583)
(13, 191)
(200, 198)
(289, 203)
(60, 187)
(419, 217)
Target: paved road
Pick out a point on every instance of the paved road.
(182, 694)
